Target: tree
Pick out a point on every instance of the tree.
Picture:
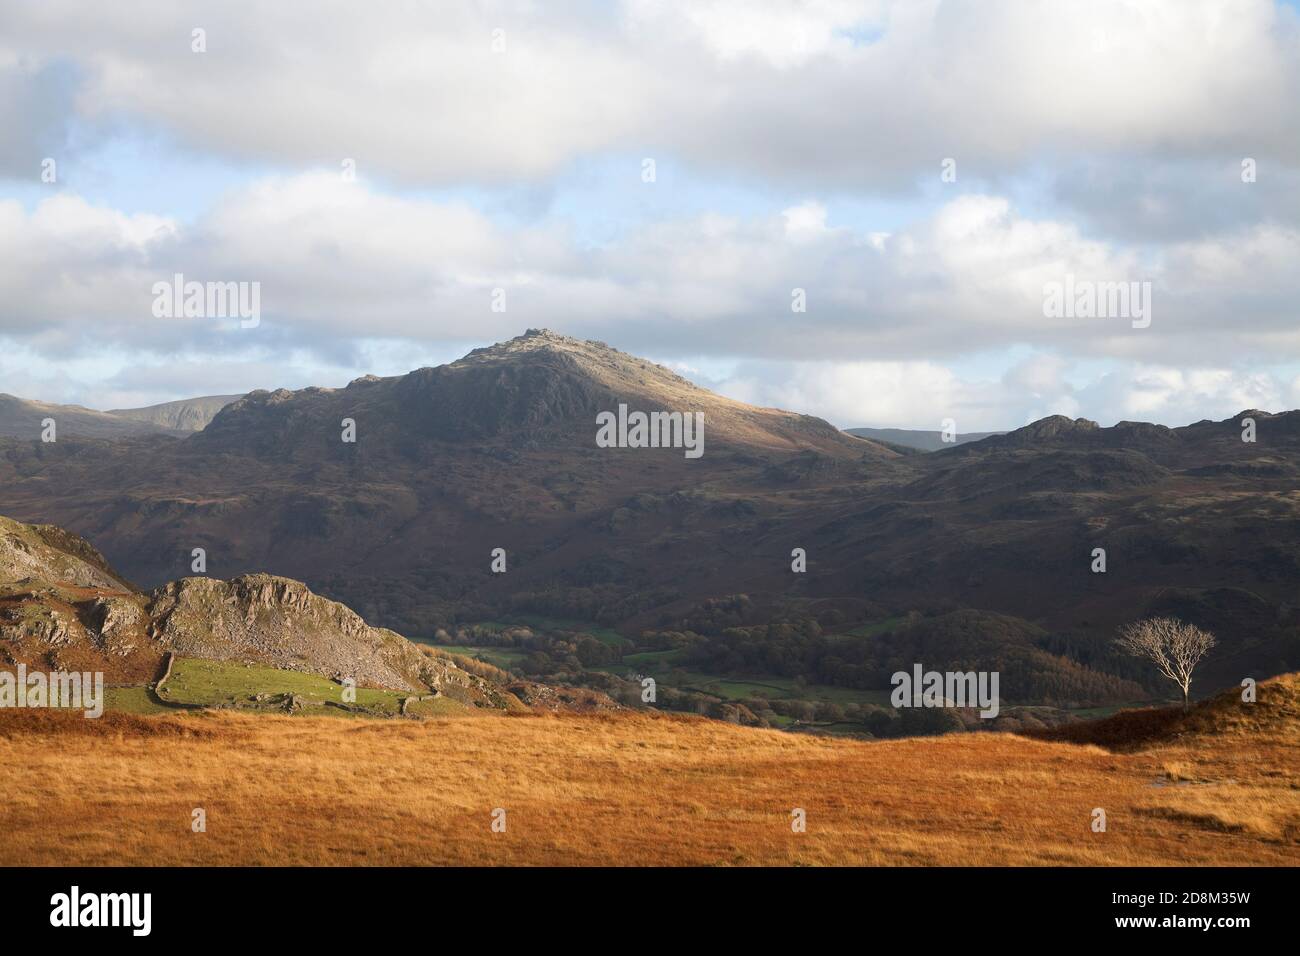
(1174, 647)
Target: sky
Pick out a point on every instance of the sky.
(857, 210)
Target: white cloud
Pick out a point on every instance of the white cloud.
(783, 35)
(805, 221)
(338, 262)
(1159, 393)
(922, 394)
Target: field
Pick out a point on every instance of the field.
(663, 667)
(1221, 787)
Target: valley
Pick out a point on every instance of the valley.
(565, 652)
(979, 555)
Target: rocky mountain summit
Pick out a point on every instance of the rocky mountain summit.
(539, 386)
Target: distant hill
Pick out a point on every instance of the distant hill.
(187, 415)
(23, 418)
(920, 440)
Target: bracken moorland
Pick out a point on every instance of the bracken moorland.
(1219, 787)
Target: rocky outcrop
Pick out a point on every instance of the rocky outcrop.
(117, 622)
(281, 623)
(49, 555)
(561, 699)
(61, 603)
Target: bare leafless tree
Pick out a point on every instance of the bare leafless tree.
(1173, 646)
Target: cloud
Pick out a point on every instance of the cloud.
(1101, 141)
(338, 262)
(35, 105)
(1154, 393)
(1152, 202)
(825, 95)
(922, 394)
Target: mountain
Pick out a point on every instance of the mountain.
(538, 387)
(495, 450)
(187, 415)
(913, 438)
(499, 451)
(1195, 523)
(24, 419)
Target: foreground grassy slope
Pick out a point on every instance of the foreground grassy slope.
(633, 788)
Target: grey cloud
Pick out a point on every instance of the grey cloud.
(420, 96)
(1173, 200)
(36, 109)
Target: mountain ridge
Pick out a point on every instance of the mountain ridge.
(497, 451)
(24, 418)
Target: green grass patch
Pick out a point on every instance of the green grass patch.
(208, 683)
(874, 628)
(540, 622)
(133, 700)
(782, 688)
(843, 728)
(738, 689)
(652, 658)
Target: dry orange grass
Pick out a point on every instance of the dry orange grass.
(626, 788)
